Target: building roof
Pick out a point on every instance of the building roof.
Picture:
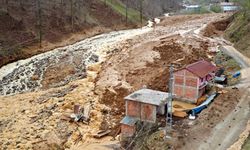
(228, 4)
(129, 120)
(148, 96)
(201, 68)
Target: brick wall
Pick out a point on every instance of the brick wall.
(186, 85)
(148, 112)
(127, 131)
(133, 109)
(145, 112)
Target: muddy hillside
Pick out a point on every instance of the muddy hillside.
(39, 93)
(60, 66)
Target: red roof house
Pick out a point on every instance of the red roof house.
(191, 81)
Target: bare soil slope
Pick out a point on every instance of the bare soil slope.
(142, 61)
(19, 25)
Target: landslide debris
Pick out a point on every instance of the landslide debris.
(36, 118)
(139, 70)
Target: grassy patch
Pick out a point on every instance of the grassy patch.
(230, 66)
(246, 145)
(118, 6)
(239, 32)
(201, 10)
(216, 8)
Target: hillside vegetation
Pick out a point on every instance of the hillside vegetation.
(60, 20)
(238, 31)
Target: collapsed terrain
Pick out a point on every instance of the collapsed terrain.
(97, 73)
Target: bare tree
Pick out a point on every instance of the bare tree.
(7, 5)
(39, 22)
(141, 9)
(126, 12)
(71, 14)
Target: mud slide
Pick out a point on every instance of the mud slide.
(62, 65)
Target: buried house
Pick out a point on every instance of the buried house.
(190, 82)
(142, 105)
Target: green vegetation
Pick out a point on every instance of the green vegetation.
(216, 8)
(239, 30)
(246, 145)
(201, 10)
(230, 66)
(118, 6)
(226, 62)
(245, 4)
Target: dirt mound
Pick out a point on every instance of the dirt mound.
(216, 28)
(172, 52)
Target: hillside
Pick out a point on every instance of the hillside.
(62, 22)
(65, 22)
(238, 32)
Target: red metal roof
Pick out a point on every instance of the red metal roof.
(201, 68)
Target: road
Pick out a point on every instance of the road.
(228, 130)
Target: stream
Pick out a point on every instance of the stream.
(60, 65)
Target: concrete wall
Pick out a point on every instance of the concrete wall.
(186, 86)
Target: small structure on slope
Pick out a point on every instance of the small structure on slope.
(190, 82)
(142, 105)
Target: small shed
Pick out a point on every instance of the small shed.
(190, 82)
(145, 104)
(142, 105)
(128, 126)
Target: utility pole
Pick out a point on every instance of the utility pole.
(39, 22)
(169, 117)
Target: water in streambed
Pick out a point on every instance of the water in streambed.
(61, 65)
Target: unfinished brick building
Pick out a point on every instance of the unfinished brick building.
(142, 105)
(190, 82)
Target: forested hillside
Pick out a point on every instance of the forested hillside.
(50, 23)
(24, 23)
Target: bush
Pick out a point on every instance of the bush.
(215, 8)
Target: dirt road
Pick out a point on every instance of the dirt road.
(240, 58)
(228, 130)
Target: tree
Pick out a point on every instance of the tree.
(39, 23)
(126, 12)
(71, 14)
(141, 9)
